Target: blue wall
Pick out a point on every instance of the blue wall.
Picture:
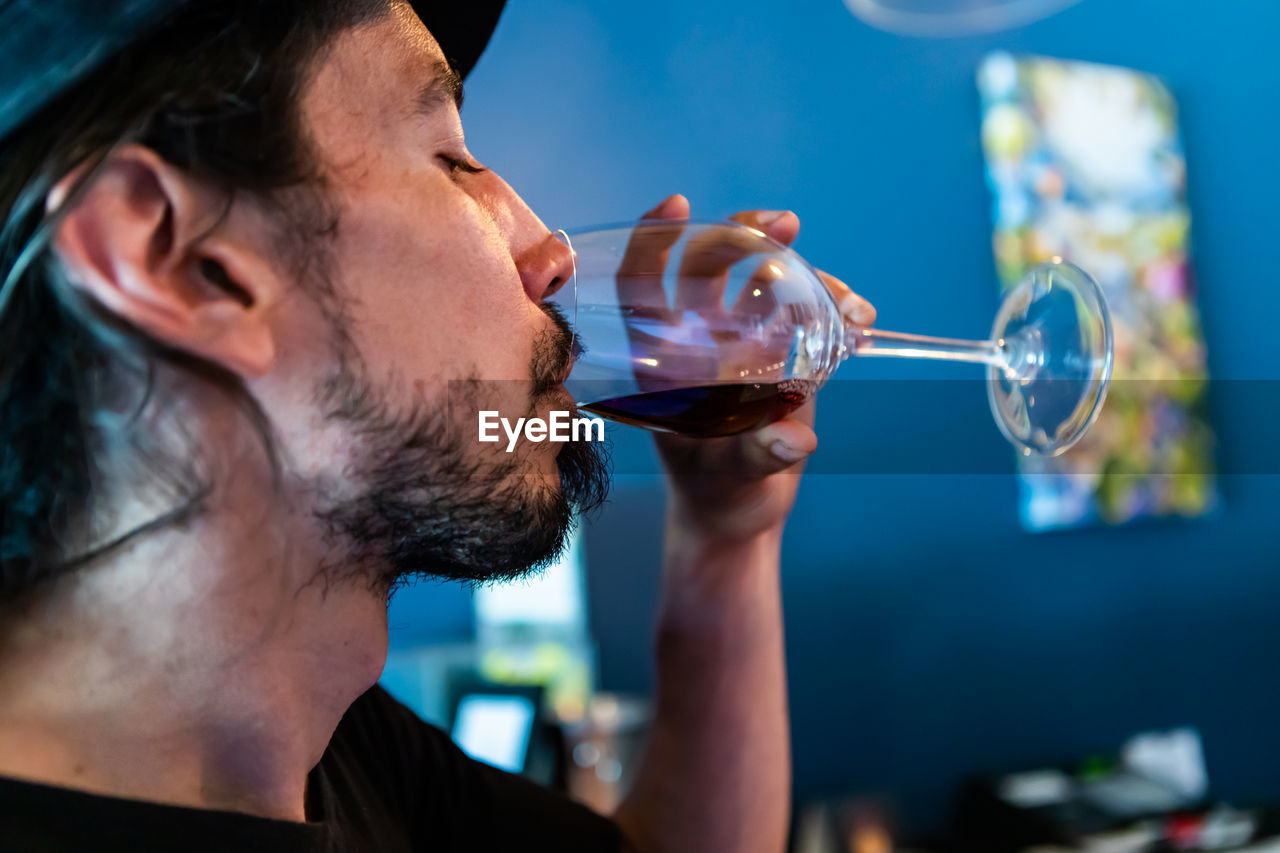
(928, 636)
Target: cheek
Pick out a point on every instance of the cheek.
(436, 293)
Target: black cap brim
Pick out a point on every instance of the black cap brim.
(462, 29)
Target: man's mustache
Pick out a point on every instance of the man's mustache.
(553, 352)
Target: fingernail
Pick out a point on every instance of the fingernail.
(856, 310)
(786, 452)
(660, 205)
(768, 217)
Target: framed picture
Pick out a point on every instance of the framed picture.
(1085, 162)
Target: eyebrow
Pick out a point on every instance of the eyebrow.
(444, 86)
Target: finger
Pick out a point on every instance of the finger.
(853, 308)
(755, 342)
(707, 260)
(639, 276)
(673, 207)
(756, 298)
(777, 447)
(781, 225)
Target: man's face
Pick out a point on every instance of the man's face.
(437, 272)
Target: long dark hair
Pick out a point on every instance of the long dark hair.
(213, 90)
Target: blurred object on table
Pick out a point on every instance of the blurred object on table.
(1151, 798)
(603, 746)
(849, 825)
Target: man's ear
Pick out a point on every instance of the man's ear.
(145, 241)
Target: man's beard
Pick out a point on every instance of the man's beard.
(429, 505)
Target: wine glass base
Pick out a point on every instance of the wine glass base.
(1054, 332)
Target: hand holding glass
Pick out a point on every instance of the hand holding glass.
(712, 328)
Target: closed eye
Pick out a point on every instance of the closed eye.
(457, 165)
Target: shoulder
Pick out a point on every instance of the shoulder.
(447, 795)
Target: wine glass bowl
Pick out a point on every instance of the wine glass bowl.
(701, 328)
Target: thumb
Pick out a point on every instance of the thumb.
(777, 447)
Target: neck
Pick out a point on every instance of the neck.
(184, 671)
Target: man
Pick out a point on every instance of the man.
(249, 267)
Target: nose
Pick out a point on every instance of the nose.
(545, 267)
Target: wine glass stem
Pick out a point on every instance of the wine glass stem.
(864, 342)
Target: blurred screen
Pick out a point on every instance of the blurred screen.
(495, 729)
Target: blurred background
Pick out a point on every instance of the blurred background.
(931, 639)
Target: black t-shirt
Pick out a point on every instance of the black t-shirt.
(388, 782)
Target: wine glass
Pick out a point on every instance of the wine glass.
(713, 328)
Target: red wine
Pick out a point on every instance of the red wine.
(706, 411)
